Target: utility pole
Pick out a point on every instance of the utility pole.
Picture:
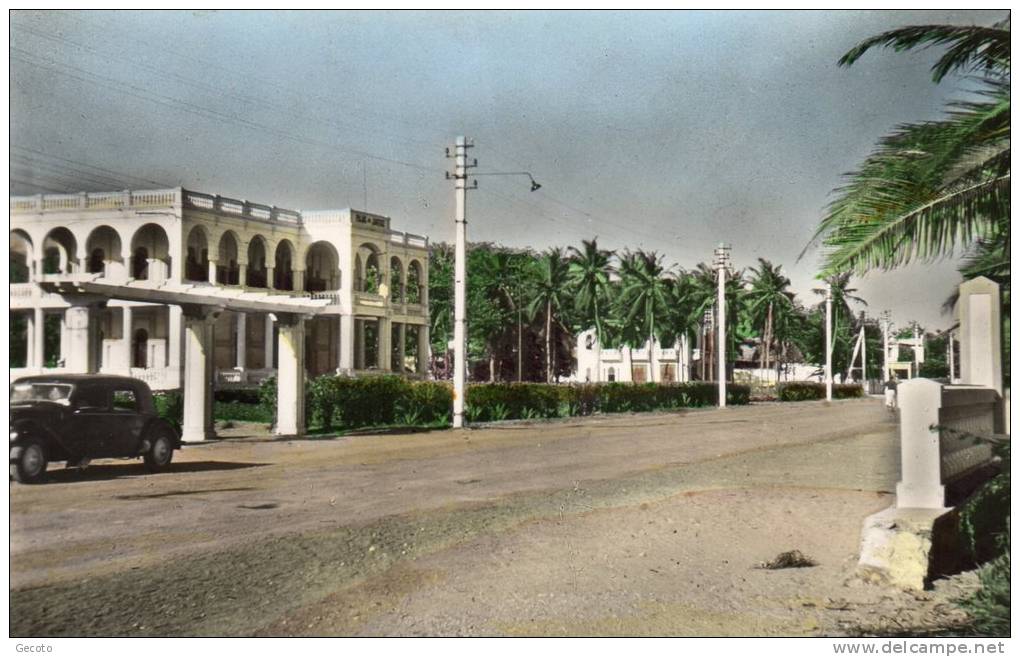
(885, 345)
(722, 261)
(828, 341)
(460, 177)
(864, 358)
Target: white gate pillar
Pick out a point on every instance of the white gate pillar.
(920, 486)
(198, 375)
(979, 311)
(290, 379)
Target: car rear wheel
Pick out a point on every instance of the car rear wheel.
(29, 466)
(161, 451)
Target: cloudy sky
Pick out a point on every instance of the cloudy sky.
(670, 131)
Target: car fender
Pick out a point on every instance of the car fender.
(157, 422)
(30, 429)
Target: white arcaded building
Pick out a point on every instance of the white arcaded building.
(374, 278)
(647, 364)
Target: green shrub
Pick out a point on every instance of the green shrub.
(235, 410)
(239, 395)
(989, 606)
(170, 406)
(805, 390)
(515, 401)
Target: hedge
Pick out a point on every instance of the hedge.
(805, 390)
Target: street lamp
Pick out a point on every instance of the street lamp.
(460, 178)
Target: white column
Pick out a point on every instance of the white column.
(384, 344)
(198, 378)
(290, 379)
(722, 260)
(920, 484)
(126, 323)
(39, 339)
(242, 339)
(346, 338)
(424, 349)
(299, 280)
(359, 344)
(269, 278)
(78, 351)
(402, 347)
(951, 357)
(269, 341)
(242, 274)
(212, 271)
(175, 329)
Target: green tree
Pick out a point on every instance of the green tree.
(931, 186)
(588, 273)
(644, 300)
(550, 294)
(768, 297)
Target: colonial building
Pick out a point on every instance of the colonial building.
(374, 278)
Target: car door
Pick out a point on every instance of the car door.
(89, 428)
(125, 422)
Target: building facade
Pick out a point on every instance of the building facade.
(647, 364)
(374, 278)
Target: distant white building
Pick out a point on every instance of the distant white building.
(661, 364)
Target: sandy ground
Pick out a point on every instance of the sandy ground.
(619, 525)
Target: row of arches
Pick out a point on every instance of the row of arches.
(403, 286)
(267, 266)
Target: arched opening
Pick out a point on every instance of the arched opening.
(196, 264)
(396, 280)
(150, 253)
(414, 290)
(21, 257)
(140, 348)
(256, 276)
(227, 270)
(369, 273)
(59, 250)
(104, 249)
(283, 273)
(322, 268)
(611, 375)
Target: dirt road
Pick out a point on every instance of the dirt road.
(644, 524)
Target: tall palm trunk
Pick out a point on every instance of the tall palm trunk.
(768, 338)
(520, 348)
(598, 339)
(492, 366)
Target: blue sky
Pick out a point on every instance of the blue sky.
(660, 130)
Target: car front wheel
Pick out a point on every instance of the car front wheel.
(28, 462)
(161, 451)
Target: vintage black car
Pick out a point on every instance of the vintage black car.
(76, 418)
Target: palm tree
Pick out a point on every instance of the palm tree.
(769, 295)
(930, 186)
(550, 292)
(645, 295)
(588, 274)
(842, 296)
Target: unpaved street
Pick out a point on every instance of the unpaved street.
(618, 525)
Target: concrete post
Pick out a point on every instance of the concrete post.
(920, 484)
(198, 376)
(212, 271)
(978, 310)
(424, 350)
(269, 278)
(346, 343)
(951, 357)
(384, 344)
(39, 338)
(242, 340)
(299, 280)
(460, 284)
(126, 328)
(722, 258)
(828, 342)
(79, 347)
(242, 274)
(175, 327)
(290, 379)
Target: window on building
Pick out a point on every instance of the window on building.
(612, 375)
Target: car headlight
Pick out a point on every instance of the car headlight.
(14, 436)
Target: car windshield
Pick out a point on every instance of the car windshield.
(22, 393)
